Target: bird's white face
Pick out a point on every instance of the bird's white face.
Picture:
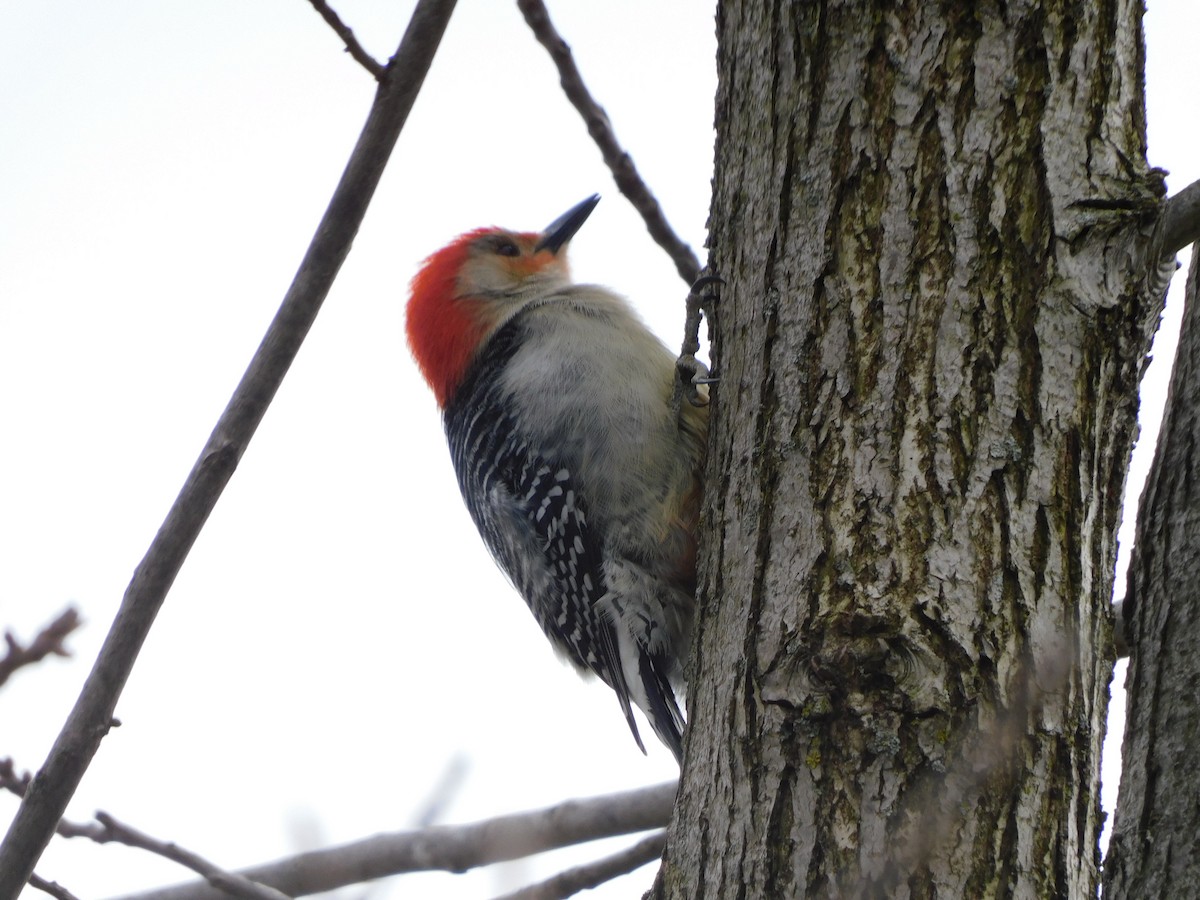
(469, 288)
(505, 263)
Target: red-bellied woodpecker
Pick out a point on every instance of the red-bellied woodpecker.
(581, 474)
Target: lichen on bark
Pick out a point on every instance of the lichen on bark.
(929, 218)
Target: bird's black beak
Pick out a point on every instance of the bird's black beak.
(564, 227)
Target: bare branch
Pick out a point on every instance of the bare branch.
(452, 848)
(353, 47)
(1179, 221)
(231, 884)
(9, 779)
(443, 792)
(107, 829)
(53, 888)
(18, 783)
(55, 783)
(585, 877)
(49, 641)
(618, 161)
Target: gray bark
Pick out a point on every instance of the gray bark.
(930, 219)
(1155, 849)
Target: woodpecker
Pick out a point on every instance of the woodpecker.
(581, 475)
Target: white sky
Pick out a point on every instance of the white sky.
(338, 633)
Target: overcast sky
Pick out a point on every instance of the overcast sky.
(338, 634)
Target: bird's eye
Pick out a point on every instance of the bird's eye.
(507, 248)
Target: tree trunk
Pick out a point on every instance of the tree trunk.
(931, 220)
(1155, 850)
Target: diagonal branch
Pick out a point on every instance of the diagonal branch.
(91, 717)
(227, 882)
(443, 793)
(1179, 221)
(53, 888)
(353, 47)
(452, 848)
(591, 875)
(618, 161)
(106, 830)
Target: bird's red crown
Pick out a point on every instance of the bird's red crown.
(462, 291)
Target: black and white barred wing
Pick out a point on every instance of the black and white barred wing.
(535, 525)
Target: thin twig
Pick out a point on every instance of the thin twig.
(18, 783)
(570, 882)
(353, 47)
(230, 883)
(629, 182)
(49, 641)
(106, 830)
(443, 793)
(9, 779)
(452, 848)
(53, 888)
(55, 783)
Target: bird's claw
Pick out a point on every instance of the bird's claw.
(705, 281)
(690, 373)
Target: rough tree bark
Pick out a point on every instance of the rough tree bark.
(1155, 849)
(930, 218)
